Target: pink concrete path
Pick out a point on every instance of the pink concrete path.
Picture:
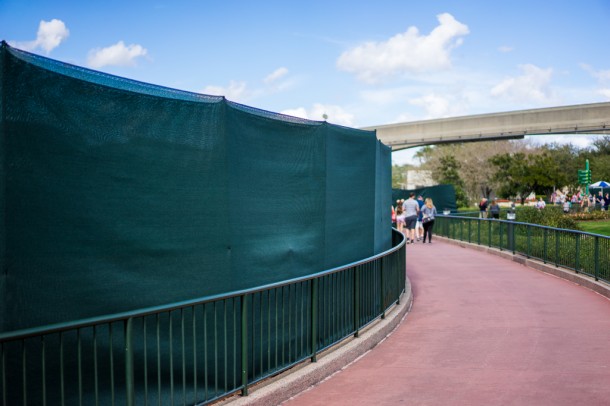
(482, 331)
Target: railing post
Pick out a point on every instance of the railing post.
(356, 301)
(596, 258)
(513, 242)
(129, 374)
(489, 235)
(382, 308)
(314, 320)
(479, 232)
(557, 248)
(244, 345)
(544, 245)
(461, 230)
(577, 264)
(453, 230)
(396, 269)
(501, 235)
(529, 241)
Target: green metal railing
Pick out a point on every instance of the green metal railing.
(581, 252)
(198, 351)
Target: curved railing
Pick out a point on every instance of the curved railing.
(198, 351)
(581, 252)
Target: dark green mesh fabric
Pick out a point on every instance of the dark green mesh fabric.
(118, 195)
(443, 196)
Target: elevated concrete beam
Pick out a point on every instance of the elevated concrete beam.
(584, 118)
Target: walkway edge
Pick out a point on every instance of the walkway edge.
(569, 275)
(275, 390)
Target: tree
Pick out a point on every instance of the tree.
(447, 173)
(599, 159)
(399, 173)
(566, 158)
(601, 146)
(509, 174)
(518, 175)
(543, 174)
(473, 158)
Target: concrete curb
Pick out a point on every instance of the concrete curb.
(275, 390)
(579, 279)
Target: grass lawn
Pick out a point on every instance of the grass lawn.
(597, 227)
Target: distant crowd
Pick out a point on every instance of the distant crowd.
(592, 201)
(599, 201)
(415, 218)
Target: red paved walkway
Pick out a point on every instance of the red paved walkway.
(482, 331)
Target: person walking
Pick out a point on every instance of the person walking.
(494, 209)
(566, 206)
(429, 214)
(483, 208)
(411, 209)
(419, 228)
(400, 216)
(599, 200)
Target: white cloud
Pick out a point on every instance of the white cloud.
(385, 96)
(603, 79)
(239, 91)
(115, 55)
(50, 35)
(408, 52)
(335, 114)
(236, 91)
(602, 75)
(581, 140)
(505, 49)
(437, 106)
(275, 75)
(531, 86)
(300, 112)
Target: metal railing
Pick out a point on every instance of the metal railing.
(198, 351)
(579, 251)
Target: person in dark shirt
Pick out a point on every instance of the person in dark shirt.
(494, 209)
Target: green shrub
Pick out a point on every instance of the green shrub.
(550, 217)
(592, 215)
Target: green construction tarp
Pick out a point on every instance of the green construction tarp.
(443, 196)
(118, 195)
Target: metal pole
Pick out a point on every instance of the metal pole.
(577, 265)
(587, 185)
(129, 378)
(381, 304)
(557, 241)
(544, 251)
(314, 320)
(596, 258)
(356, 301)
(244, 345)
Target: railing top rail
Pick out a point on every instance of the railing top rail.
(111, 318)
(526, 224)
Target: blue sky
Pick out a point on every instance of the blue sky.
(360, 63)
